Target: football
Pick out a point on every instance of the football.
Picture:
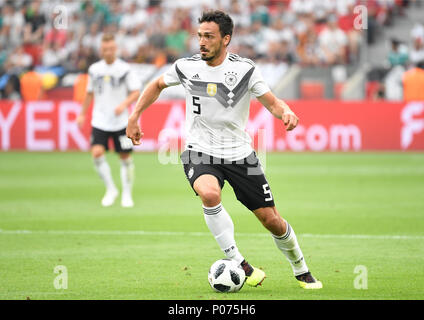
(226, 276)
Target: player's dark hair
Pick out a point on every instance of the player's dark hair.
(222, 19)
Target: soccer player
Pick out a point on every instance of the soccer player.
(218, 86)
(114, 87)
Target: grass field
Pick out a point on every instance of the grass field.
(348, 209)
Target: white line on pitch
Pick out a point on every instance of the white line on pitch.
(203, 234)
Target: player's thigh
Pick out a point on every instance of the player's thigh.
(250, 185)
(99, 142)
(121, 142)
(205, 178)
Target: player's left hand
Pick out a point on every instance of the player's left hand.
(290, 120)
(119, 109)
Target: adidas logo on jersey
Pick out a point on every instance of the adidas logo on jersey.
(196, 76)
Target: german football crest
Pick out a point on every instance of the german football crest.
(211, 89)
(231, 78)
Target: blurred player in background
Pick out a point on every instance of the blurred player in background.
(114, 88)
(218, 88)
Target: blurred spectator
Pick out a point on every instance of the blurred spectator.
(113, 13)
(284, 33)
(53, 55)
(418, 31)
(280, 52)
(31, 85)
(4, 54)
(398, 55)
(413, 83)
(302, 7)
(176, 41)
(12, 25)
(373, 21)
(417, 51)
(333, 43)
(276, 42)
(156, 34)
(239, 14)
(11, 90)
(83, 56)
(393, 87)
(260, 12)
(308, 49)
(258, 39)
(93, 38)
(76, 25)
(89, 15)
(131, 43)
(35, 22)
(134, 18)
(20, 59)
(346, 21)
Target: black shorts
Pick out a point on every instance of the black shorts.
(120, 140)
(245, 176)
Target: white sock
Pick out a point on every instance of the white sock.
(222, 227)
(289, 246)
(127, 175)
(103, 169)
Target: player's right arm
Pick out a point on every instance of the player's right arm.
(147, 98)
(86, 103)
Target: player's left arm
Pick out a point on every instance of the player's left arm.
(132, 97)
(279, 109)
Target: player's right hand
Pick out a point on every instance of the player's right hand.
(134, 133)
(80, 120)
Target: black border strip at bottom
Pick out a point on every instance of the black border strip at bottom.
(207, 309)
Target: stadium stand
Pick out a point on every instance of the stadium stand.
(61, 38)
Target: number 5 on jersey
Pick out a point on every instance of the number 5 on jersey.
(196, 105)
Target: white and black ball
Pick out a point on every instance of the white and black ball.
(226, 276)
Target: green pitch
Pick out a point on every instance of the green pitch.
(358, 212)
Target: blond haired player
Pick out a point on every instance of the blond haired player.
(114, 87)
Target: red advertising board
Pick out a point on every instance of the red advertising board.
(323, 126)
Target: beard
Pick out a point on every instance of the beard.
(213, 56)
(205, 58)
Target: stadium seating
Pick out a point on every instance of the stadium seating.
(276, 33)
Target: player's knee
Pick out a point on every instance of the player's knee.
(124, 155)
(97, 152)
(210, 196)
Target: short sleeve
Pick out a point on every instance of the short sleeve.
(132, 81)
(171, 77)
(257, 84)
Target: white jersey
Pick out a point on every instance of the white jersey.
(111, 84)
(218, 103)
